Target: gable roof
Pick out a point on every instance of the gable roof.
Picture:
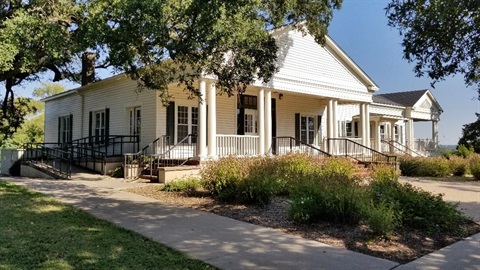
(406, 99)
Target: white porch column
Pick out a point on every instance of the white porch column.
(268, 120)
(378, 140)
(362, 123)
(410, 134)
(334, 119)
(435, 133)
(212, 121)
(329, 112)
(392, 136)
(367, 125)
(202, 120)
(261, 122)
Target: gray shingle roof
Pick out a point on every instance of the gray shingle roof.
(406, 99)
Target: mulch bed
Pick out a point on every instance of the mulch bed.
(403, 247)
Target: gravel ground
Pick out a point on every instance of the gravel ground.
(403, 247)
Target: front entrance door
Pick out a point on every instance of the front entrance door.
(250, 122)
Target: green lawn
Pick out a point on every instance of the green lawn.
(38, 232)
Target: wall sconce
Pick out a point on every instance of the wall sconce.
(280, 96)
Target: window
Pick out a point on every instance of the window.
(187, 122)
(65, 129)
(135, 121)
(99, 126)
(307, 129)
(345, 129)
(251, 125)
(382, 132)
(247, 102)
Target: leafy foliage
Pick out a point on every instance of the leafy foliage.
(475, 166)
(441, 37)
(154, 42)
(425, 166)
(471, 135)
(188, 185)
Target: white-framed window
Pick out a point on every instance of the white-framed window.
(251, 122)
(99, 126)
(135, 121)
(345, 129)
(382, 132)
(186, 122)
(65, 129)
(307, 129)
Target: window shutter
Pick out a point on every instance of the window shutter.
(171, 122)
(355, 129)
(107, 126)
(319, 129)
(90, 124)
(70, 132)
(59, 130)
(297, 128)
(241, 121)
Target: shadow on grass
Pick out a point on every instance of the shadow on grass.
(37, 232)
(217, 240)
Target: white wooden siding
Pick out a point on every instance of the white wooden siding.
(118, 95)
(64, 106)
(306, 67)
(387, 110)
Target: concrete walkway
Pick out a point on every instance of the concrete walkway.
(466, 194)
(224, 242)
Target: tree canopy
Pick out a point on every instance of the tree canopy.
(442, 37)
(471, 135)
(155, 42)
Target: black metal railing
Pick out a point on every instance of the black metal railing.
(285, 145)
(137, 163)
(395, 146)
(178, 154)
(113, 145)
(52, 157)
(358, 152)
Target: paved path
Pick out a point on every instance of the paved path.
(217, 240)
(467, 194)
(231, 244)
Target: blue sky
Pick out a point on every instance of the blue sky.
(360, 28)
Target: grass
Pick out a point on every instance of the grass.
(38, 232)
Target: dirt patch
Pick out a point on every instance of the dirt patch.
(403, 247)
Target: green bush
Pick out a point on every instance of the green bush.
(383, 220)
(465, 152)
(14, 170)
(248, 180)
(188, 185)
(424, 166)
(475, 166)
(292, 169)
(118, 172)
(384, 172)
(458, 165)
(417, 208)
(337, 198)
(409, 166)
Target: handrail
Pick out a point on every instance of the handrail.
(54, 159)
(177, 144)
(366, 154)
(407, 150)
(294, 144)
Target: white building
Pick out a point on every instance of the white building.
(317, 96)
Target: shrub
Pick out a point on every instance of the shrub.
(465, 152)
(458, 165)
(417, 209)
(118, 172)
(384, 172)
(475, 166)
(434, 166)
(14, 170)
(188, 185)
(260, 185)
(334, 198)
(383, 219)
(291, 169)
(409, 166)
(221, 177)
(424, 166)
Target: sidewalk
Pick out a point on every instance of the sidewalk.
(219, 241)
(224, 242)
